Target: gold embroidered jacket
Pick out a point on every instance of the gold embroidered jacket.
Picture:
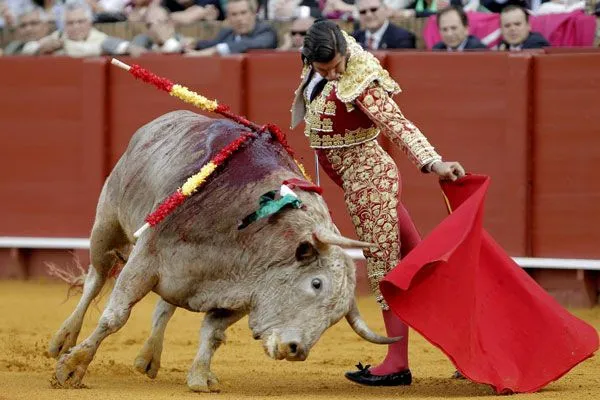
(355, 108)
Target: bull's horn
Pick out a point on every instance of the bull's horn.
(360, 327)
(328, 237)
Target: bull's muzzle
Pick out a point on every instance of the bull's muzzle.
(281, 348)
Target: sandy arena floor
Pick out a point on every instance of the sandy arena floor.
(31, 312)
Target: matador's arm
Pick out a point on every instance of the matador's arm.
(383, 110)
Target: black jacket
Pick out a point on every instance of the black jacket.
(394, 37)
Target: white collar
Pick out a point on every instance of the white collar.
(378, 34)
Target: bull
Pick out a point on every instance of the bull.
(287, 272)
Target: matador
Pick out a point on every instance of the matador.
(345, 101)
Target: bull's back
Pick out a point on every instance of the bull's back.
(165, 152)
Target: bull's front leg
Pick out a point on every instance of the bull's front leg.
(134, 282)
(148, 360)
(212, 335)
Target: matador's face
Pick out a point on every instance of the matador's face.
(332, 70)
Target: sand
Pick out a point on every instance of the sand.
(30, 312)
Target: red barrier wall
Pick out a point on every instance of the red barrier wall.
(473, 108)
(565, 155)
(51, 124)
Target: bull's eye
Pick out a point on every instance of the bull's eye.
(316, 283)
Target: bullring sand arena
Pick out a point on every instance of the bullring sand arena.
(31, 311)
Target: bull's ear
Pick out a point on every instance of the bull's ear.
(306, 251)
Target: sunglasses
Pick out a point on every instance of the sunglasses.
(372, 9)
(301, 33)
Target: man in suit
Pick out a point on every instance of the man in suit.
(160, 35)
(453, 25)
(379, 33)
(516, 31)
(245, 32)
(32, 25)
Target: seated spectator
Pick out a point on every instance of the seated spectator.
(160, 36)
(32, 25)
(53, 10)
(425, 8)
(287, 10)
(453, 25)
(79, 38)
(338, 9)
(184, 12)
(559, 7)
(108, 10)
(7, 15)
(379, 32)
(516, 31)
(496, 6)
(136, 9)
(245, 32)
(294, 39)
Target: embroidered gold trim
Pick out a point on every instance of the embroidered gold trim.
(380, 107)
(314, 111)
(349, 138)
(362, 69)
(329, 108)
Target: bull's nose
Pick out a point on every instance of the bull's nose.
(295, 352)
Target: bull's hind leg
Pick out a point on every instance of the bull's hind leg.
(148, 360)
(107, 240)
(212, 335)
(135, 281)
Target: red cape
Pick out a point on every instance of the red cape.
(464, 294)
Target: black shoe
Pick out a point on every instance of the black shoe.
(364, 377)
(458, 375)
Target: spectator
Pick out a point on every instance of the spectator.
(286, 10)
(294, 39)
(136, 9)
(496, 6)
(560, 7)
(379, 33)
(79, 38)
(184, 12)
(425, 8)
(339, 9)
(453, 25)
(53, 10)
(160, 36)
(245, 32)
(32, 25)
(108, 10)
(7, 15)
(516, 31)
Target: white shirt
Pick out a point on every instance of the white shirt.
(377, 35)
(460, 47)
(316, 78)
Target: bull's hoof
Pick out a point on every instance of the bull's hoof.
(203, 382)
(62, 342)
(148, 361)
(71, 368)
(147, 366)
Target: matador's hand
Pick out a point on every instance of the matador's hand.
(448, 170)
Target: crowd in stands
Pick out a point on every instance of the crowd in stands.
(68, 27)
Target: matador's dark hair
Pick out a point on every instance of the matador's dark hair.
(323, 40)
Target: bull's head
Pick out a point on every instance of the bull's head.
(306, 294)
